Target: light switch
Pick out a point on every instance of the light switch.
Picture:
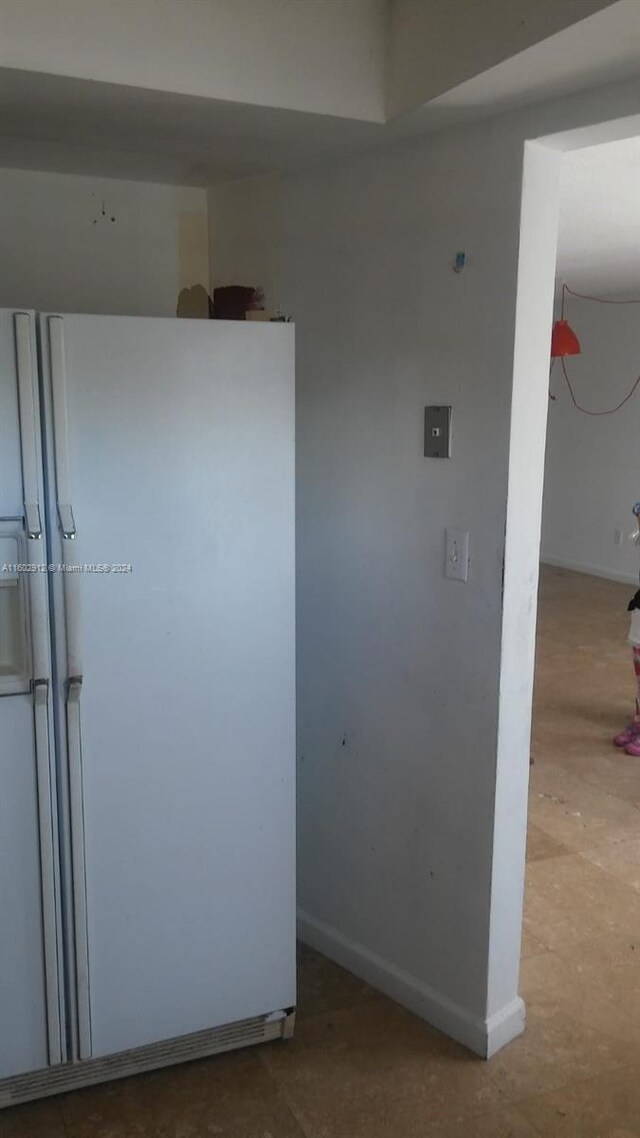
(437, 432)
(456, 554)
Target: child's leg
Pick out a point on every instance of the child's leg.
(631, 734)
(633, 746)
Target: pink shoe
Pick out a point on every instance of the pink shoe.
(633, 748)
(627, 736)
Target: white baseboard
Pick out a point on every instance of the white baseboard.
(591, 570)
(484, 1037)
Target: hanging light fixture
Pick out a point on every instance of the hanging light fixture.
(564, 341)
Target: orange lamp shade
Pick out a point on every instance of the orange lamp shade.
(564, 341)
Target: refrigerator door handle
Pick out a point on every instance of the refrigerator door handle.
(61, 436)
(57, 357)
(40, 687)
(76, 802)
(72, 619)
(33, 521)
(29, 423)
(67, 522)
(47, 870)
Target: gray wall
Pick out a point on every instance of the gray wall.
(59, 252)
(398, 668)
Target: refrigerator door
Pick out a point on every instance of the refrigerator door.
(172, 448)
(30, 1012)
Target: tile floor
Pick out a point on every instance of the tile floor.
(362, 1067)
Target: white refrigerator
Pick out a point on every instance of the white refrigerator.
(147, 712)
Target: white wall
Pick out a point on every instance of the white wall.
(58, 251)
(592, 475)
(325, 56)
(398, 668)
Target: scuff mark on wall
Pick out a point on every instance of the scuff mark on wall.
(103, 213)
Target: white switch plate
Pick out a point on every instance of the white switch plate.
(456, 554)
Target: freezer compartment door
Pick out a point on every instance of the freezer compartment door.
(173, 485)
(29, 1012)
(30, 938)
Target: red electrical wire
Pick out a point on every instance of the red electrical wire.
(597, 300)
(585, 410)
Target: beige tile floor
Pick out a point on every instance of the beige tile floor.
(360, 1066)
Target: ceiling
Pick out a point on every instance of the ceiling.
(599, 235)
(71, 125)
(598, 50)
(51, 122)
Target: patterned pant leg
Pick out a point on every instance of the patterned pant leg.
(636, 665)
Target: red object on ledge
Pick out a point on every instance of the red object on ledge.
(564, 341)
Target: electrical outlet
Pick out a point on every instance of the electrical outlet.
(456, 555)
(617, 537)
